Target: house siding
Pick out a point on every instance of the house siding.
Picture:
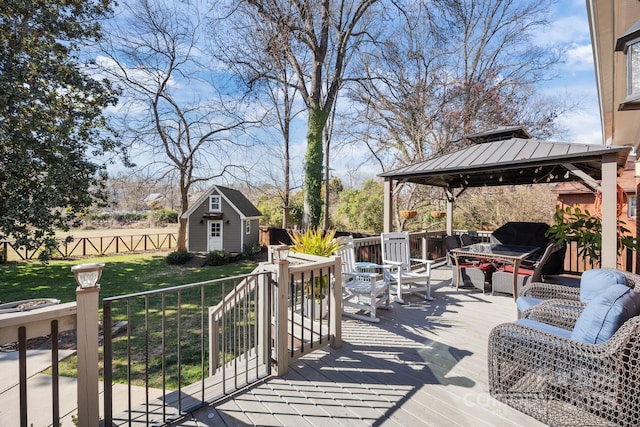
(198, 231)
(233, 227)
(253, 238)
(573, 193)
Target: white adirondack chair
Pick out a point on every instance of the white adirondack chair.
(364, 287)
(395, 252)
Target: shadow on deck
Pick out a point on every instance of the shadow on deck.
(424, 364)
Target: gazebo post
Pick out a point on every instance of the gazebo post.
(449, 219)
(387, 225)
(609, 254)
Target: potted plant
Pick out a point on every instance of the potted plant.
(408, 214)
(321, 243)
(573, 224)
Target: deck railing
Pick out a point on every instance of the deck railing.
(18, 328)
(186, 345)
(308, 300)
(241, 327)
(423, 244)
(249, 314)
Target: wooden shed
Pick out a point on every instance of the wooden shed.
(222, 219)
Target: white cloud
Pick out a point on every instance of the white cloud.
(568, 29)
(583, 126)
(580, 57)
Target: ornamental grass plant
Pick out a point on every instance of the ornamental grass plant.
(315, 242)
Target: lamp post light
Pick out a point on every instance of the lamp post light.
(281, 253)
(87, 292)
(87, 275)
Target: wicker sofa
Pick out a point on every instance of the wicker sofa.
(540, 366)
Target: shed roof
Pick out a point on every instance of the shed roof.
(240, 201)
(235, 198)
(510, 161)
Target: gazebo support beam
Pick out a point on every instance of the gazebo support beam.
(584, 177)
(387, 224)
(609, 254)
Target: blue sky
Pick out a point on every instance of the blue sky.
(576, 81)
(577, 75)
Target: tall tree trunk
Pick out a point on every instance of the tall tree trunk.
(327, 145)
(286, 199)
(313, 168)
(181, 242)
(287, 160)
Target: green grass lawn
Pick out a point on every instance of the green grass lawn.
(123, 274)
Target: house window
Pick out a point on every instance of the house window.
(629, 44)
(633, 69)
(631, 213)
(247, 226)
(214, 204)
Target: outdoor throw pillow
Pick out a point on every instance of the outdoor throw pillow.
(603, 315)
(594, 281)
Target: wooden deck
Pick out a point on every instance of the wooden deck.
(424, 364)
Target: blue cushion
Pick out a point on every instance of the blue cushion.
(524, 303)
(555, 330)
(604, 314)
(594, 281)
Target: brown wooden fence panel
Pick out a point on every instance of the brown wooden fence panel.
(94, 246)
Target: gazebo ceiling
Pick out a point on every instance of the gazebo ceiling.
(512, 161)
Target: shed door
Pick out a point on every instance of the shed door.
(215, 236)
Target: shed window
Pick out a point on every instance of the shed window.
(214, 204)
(247, 226)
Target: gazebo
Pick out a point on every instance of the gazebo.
(509, 156)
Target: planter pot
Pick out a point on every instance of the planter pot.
(314, 309)
(438, 214)
(408, 214)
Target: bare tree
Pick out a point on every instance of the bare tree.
(177, 116)
(318, 38)
(130, 192)
(454, 67)
(261, 64)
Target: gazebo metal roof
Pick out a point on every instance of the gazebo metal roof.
(510, 161)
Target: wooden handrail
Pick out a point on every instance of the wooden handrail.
(37, 322)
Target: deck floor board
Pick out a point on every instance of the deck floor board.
(423, 364)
